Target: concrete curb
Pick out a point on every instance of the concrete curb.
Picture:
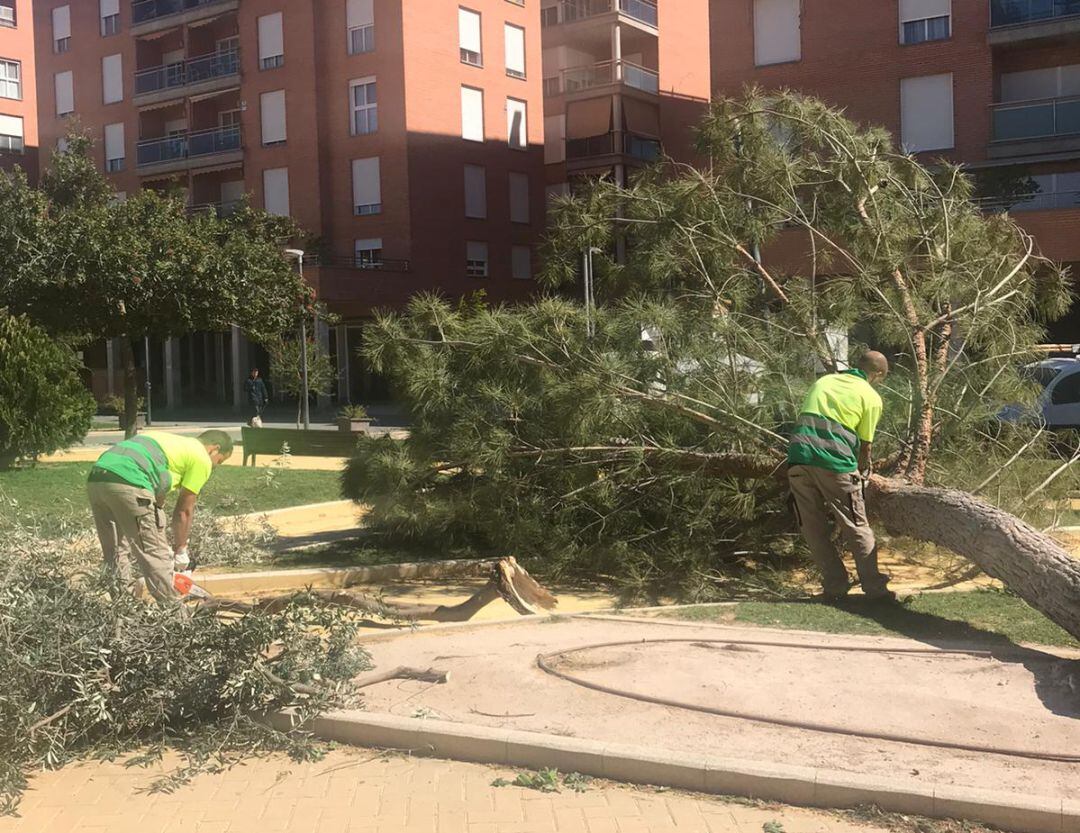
(225, 583)
(776, 782)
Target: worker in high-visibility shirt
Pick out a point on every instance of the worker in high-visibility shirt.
(829, 462)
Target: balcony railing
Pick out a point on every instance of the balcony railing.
(638, 147)
(185, 73)
(188, 146)
(146, 10)
(383, 264)
(221, 209)
(1042, 201)
(1036, 119)
(604, 73)
(1017, 12)
(570, 10)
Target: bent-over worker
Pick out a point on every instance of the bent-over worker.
(127, 487)
(829, 462)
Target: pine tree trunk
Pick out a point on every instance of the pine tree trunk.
(131, 389)
(1029, 563)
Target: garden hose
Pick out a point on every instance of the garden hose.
(546, 662)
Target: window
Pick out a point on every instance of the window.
(926, 113)
(110, 17)
(272, 111)
(472, 114)
(271, 41)
(114, 147)
(777, 32)
(1067, 391)
(7, 13)
(365, 112)
(61, 24)
(367, 254)
(367, 186)
(515, 50)
(521, 263)
(469, 38)
(475, 192)
(11, 134)
(476, 259)
(10, 79)
(112, 78)
(276, 191)
(517, 134)
(65, 93)
(519, 198)
(229, 118)
(360, 19)
(924, 20)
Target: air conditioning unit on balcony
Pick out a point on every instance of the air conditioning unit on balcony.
(7, 15)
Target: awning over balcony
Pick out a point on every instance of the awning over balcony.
(591, 117)
(641, 118)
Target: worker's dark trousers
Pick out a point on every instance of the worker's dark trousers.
(820, 493)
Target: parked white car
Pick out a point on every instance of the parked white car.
(1058, 406)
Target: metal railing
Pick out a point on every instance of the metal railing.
(640, 147)
(188, 146)
(145, 10)
(1035, 119)
(383, 264)
(570, 10)
(221, 209)
(574, 79)
(1042, 201)
(1018, 12)
(191, 71)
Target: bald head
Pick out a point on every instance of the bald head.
(874, 365)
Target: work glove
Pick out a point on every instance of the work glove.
(182, 561)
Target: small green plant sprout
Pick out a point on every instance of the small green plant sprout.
(772, 827)
(355, 413)
(545, 780)
(576, 781)
(501, 782)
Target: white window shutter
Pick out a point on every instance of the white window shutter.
(472, 114)
(112, 78)
(926, 113)
(114, 141)
(554, 139)
(475, 192)
(519, 198)
(65, 93)
(233, 191)
(922, 9)
(367, 185)
(1029, 84)
(272, 111)
(517, 132)
(521, 262)
(469, 30)
(11, 126)
(367, 244)
(359, 13)
(271, 36)
(515, 48)
(61, 22)
(110, 7)
(777, 31)
(276, 191)
(476, 250)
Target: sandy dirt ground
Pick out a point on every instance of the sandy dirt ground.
(1018, 699)
(88, 454)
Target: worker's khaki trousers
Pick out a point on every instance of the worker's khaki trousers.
(818, 494)
(130, 524)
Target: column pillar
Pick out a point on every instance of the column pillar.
(219, 355)
(344, 394)
(110, 365)
(616, 51)
(172, 373)
(322, 341)
(238, 363)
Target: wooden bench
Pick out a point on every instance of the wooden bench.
(300, 442)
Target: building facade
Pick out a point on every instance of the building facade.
(406, 139)
(18, 92)
(991, 84)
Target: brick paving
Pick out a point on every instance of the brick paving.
(360, 791)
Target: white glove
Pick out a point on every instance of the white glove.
(181, 560)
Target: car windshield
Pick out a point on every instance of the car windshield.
(1040, 374)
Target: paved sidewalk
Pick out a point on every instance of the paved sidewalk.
(360, 791)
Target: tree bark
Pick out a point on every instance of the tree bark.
(131, 392)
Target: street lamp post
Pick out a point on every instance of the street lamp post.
(590, 298)
(298, 255)
(149, 418)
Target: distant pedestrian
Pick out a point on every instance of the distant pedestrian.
(257, 397)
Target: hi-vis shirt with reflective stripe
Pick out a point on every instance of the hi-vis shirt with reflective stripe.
(840, 412)
(140, 462)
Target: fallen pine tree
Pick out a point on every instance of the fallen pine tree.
(640, 440)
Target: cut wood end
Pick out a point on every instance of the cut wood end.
(520, 590)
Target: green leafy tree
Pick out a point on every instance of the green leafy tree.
(286, 365)
(87, 266)
(44, 405)
(650, 450)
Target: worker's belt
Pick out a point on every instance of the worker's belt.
(102, 476)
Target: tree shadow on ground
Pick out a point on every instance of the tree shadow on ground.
(1056, 679)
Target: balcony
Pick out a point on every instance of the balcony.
(155, 15)
(356, 262)
(1041, 127)
(221, 209)
(186, 150)
(640, 148)
(1043, 201)
(603, 74)
(1017, 21)
(218, 70)
(571, 11)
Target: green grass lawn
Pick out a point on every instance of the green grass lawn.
(54, 494)
(981, 615)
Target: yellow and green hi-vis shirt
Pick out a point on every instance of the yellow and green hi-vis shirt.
(840, 412)
(158, 462)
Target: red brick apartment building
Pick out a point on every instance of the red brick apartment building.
(993, 84)
(18, 92)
